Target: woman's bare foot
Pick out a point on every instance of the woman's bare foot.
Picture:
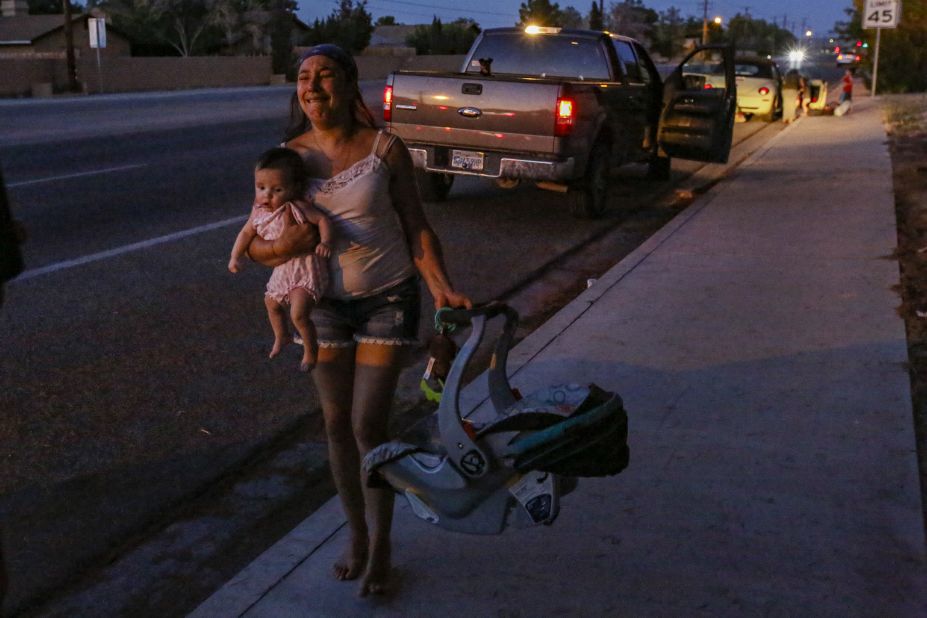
(352, 561)
(377, 578)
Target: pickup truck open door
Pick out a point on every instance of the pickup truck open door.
(697, 120)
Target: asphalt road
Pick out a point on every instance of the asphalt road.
(126, 325)
(134, 366)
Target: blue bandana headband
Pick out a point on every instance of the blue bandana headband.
(343, 58)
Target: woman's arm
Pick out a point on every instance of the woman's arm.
(326, 229)
(295, 240)
(423, 242)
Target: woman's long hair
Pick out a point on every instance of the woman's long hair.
(299, 123)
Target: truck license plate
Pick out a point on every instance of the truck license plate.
(467, 160)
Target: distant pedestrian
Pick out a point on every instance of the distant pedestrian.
(846, 95)
(280, 185)
(791, 86)
(847, 82)
(804, 94)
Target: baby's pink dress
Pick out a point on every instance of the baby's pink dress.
(305, 271)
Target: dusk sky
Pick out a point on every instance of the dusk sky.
(819, 15)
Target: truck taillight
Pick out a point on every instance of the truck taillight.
(565, 112)
(764, 91)
(387, 103)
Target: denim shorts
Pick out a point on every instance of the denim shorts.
(390, 317)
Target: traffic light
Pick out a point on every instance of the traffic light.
(859, 43)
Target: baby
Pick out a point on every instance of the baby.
(280, 183)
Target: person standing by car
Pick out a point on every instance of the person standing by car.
(791, 86)
(805, 94)
(367, 320)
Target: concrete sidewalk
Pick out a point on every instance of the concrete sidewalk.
(773, 472)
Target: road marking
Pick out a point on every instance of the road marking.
(76, 175)
(145, 244)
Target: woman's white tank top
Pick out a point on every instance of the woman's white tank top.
(370, 252)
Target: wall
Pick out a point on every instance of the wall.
(131, 74)
(128, 74)
(18, 74)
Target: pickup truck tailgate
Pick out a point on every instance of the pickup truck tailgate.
(481, 113)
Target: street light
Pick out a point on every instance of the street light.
(718, 21)
(808, 33)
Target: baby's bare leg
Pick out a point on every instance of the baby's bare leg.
(277, 316)
(301, 303)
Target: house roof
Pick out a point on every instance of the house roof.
(25, 29)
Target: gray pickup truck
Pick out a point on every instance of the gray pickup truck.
(560, 108)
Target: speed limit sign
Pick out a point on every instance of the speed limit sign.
(881, 14)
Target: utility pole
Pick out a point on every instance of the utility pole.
(69, 43)
(704, 22)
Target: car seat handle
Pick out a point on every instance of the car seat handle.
(463, 451)
(463, 317)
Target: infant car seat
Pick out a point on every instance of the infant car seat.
(512, 470)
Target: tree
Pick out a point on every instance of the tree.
(349, 26)
(571, 18)
(631, 18)
(386, 20)
(539, 13)
(227, 17)
(188, 20)
(280, 27)
(757, 35)
(191, 27)
(596, 20)
(453, 38)
(179, 25)
(669, 33)
(143, 23)
(50, 7)
(852, 29)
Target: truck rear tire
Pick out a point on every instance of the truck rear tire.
(659, 168)
(588, 199)
(433, 186)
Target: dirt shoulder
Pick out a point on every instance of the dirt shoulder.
(906, 124)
